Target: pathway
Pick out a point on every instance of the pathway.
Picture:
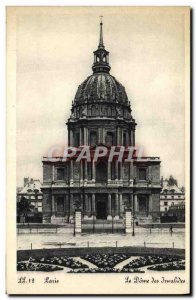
(125, 262)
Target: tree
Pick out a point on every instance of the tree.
(24, 206)
(172, 181)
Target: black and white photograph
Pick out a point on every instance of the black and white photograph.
(98, 130)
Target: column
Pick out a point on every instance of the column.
(121, 205)
(116, 206)
(85, 170)
(71, 171)
(85, 136)
(90, 205)
(109, 171)
(65, 205)
(109, 207)
(135, 203)
(87, 141)
(118, 136)
(53, 205)
(132, 139)
(71, 137)
(71, 205)
(116, 170)
(93, 171)
(121, 170)
(121, 136)
(53, 169)
(150, 205)
(86, 212)
(81, 137)
(93, 204)
(81, 172)
(131, 171)
(103, 136)
(99, 135)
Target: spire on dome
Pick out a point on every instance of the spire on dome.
(101, 56)
(101, 45)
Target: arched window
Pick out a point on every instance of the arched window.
(93, 138)
(109, 139)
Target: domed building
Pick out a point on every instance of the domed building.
(103, 189)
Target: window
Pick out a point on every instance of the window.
(93, 138)
(109, 111)
(165, 208)
(77, 139)
(172, 203)
(179, 197)
(109, 139)
(165, 197)
(89, 170)
(93, 110)
(60, 174)
(142, 174)
(165, 203)
(124, 139)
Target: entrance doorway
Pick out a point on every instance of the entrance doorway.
(101, 207)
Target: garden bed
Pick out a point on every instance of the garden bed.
(150, 260)
(105, 260)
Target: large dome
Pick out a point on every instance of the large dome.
(101, 86)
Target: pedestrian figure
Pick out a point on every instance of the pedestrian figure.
(171, 229)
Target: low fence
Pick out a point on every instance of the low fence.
(92, 244)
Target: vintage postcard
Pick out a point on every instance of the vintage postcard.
(98, 150)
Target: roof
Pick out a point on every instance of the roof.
(101, 86)
(173, 189)
(32, 187)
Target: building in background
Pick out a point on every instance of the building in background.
(101, 115)
(172, 202)
(31, 191)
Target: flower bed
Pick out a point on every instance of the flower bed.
(150, 260)
(177, 265)
(105, 260)
(106, 270)
(62, 261)
(29, 266)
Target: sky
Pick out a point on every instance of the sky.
(54, 54)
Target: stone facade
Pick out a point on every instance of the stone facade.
(101, 115)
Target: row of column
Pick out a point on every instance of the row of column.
(89, 204)
(84, 134)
